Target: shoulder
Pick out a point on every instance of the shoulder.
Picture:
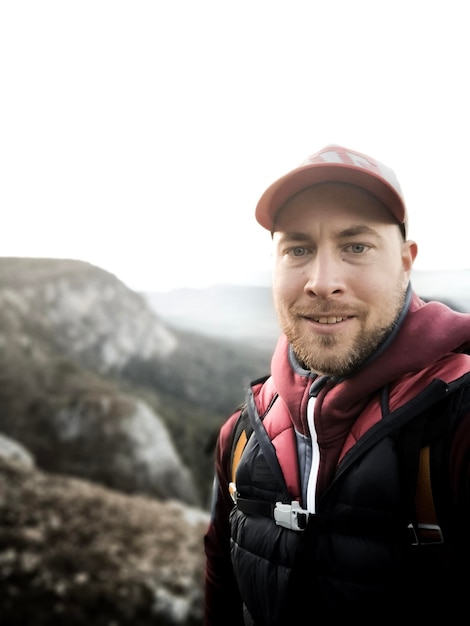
(227, 430)
(262, 391)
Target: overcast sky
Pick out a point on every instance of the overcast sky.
(139, 135)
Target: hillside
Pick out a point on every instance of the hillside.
(107, 422)
(72, 334)
(226, 311)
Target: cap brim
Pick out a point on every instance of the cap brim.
(277, 194)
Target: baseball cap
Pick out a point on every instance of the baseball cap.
(334, 164)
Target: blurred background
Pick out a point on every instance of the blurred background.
(135, 305)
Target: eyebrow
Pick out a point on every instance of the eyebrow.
(353, 231)
(293, 236)
(361, 229)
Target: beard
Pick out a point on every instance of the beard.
(326, 354)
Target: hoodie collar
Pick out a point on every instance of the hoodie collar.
(423, 334)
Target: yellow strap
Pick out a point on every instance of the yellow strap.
(241, 443)
(424, 498)
(428, 528)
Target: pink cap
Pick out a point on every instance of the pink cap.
(334, 164)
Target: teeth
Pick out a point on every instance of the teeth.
(329, 320)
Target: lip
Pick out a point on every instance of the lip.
(329, 321)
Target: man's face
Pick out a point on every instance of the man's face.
(340, 275)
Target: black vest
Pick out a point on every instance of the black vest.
(357, 557)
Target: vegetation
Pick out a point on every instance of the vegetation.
(193, 389)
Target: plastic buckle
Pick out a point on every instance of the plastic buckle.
(426, 534)
(291, 516)
(232, 488)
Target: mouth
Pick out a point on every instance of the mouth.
(331, 319)
(327, 319)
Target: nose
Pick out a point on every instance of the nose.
(325, 276)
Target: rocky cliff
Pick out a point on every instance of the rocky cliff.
(66, 329)
(107, 421)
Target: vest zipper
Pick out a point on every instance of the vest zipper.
(313, 473)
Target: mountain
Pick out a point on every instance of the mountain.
(107, 421)
(230, 311)
(93, 381)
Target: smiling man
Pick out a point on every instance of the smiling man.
(320, 515)
(340, 279)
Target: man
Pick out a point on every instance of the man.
(323, 518)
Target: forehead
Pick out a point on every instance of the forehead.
(326, 202)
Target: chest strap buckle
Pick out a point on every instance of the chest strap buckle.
(291, 515)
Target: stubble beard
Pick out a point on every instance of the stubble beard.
(324, 354)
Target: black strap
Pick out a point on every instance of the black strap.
(242, 425)
(256, 507)
(266, 445)
(424, 447)
(410, 442)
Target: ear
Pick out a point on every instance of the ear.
(409, 251)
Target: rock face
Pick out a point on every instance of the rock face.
(61, 332)
(81, 311)
(13, 451)
(94, 384)
(99, 523)
(106, 416)
(76, 554)
(118, 442)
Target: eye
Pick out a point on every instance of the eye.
(357, 248)
(298, 251)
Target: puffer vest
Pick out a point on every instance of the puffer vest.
(357, 557)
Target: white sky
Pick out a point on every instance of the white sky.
(139, 135)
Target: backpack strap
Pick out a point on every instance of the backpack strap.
(250, 424)
(242, 431)
(427, 529)
(424, 450)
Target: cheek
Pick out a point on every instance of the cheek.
(373, 288)
(287, 285)
(385, 274)
(382, 288)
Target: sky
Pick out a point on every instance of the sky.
(139, 135)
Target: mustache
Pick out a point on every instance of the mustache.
(325, 310)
